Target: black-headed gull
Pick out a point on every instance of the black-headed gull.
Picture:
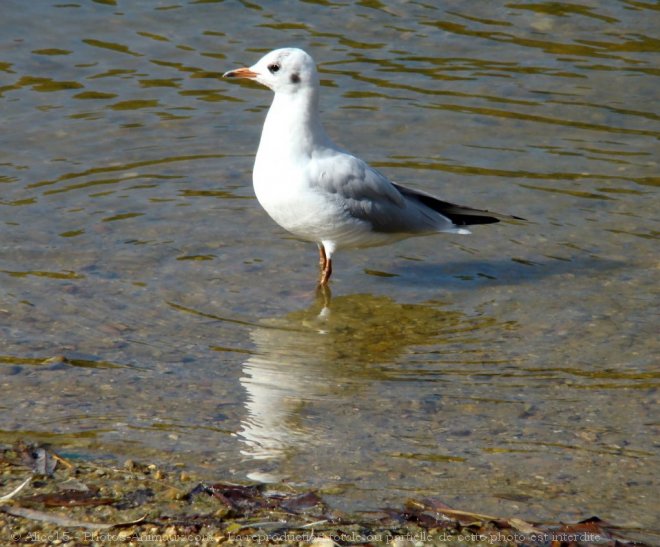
(320, 192)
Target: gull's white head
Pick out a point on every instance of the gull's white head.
(283, 70)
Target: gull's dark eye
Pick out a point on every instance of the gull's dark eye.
(273, 68)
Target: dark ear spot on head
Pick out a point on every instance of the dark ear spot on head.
(295, 78)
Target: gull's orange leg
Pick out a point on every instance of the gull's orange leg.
(323, 259)
(326, 272)
(325, 263)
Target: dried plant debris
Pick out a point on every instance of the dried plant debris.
(66, 498)
(44, 503)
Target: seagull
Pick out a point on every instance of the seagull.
(318, 191)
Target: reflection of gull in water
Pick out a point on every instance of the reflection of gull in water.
(307, 363)
(277, 393)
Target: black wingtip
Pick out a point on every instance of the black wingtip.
(464, 216)
(463, 219)
(458, 214)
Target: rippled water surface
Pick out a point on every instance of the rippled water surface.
(149, 308)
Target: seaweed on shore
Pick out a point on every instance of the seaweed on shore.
(48, 500)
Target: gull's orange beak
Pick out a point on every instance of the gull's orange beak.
(240, 73)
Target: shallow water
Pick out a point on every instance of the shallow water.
(150, 309)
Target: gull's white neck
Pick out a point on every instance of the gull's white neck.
(292, 129)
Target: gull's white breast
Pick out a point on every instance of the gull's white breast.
(286, 194)
(295, 197)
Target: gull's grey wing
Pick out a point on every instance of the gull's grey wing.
(368, 195)
(351, 178)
